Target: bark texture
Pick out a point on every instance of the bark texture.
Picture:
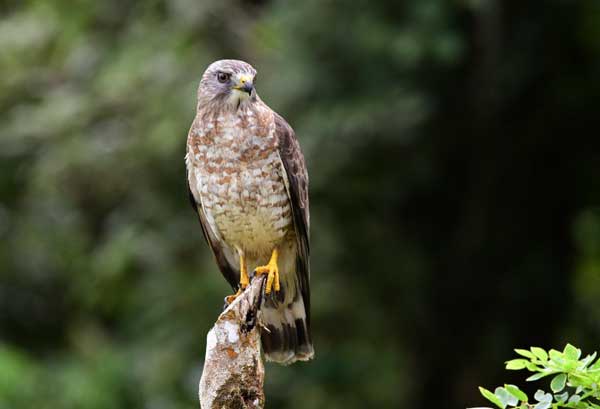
(233, 374)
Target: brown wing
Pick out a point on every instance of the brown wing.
(295, 168)
(225, 257)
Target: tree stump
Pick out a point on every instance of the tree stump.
(233, 374)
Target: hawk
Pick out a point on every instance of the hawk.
(249, 185)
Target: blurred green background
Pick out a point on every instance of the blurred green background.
(454, 157)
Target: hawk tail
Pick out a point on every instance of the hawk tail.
(285, 334)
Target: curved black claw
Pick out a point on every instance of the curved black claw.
(229, 299)
(225, 303)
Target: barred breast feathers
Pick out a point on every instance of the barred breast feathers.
(239, 177)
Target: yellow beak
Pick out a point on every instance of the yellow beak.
(244, 83)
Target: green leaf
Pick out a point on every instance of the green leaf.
(516, 364)
(539, 394)
(540, 353)
(539, 375)
(555, 355)
(505, 397)
(542, 396)
(558, 382)
(587, 360)
(491, 397)
(579, 380)
(525, 353)
(574, 399)
(531, 367)
(562, 397)
(595, 365)
(543, 405)
(516, 392)
(572, 353)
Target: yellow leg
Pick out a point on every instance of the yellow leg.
(244, 280)
(272, 271)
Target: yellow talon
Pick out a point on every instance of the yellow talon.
(232, 297)
(272, 271)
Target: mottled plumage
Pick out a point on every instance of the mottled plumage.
(249, 185)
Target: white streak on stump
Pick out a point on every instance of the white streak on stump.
(234, 373)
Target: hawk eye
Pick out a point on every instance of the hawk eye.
(223, 77)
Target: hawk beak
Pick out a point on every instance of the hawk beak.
(244, 84)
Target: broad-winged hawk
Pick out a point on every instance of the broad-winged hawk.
(249, 185)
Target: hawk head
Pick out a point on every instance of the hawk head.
(227, 83)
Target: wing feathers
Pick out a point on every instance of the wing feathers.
(297, 183)
(224, 256)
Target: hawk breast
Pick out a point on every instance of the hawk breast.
(240, 180)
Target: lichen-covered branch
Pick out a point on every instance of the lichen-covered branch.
(233, 374)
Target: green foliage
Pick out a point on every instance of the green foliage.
(575, 382)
